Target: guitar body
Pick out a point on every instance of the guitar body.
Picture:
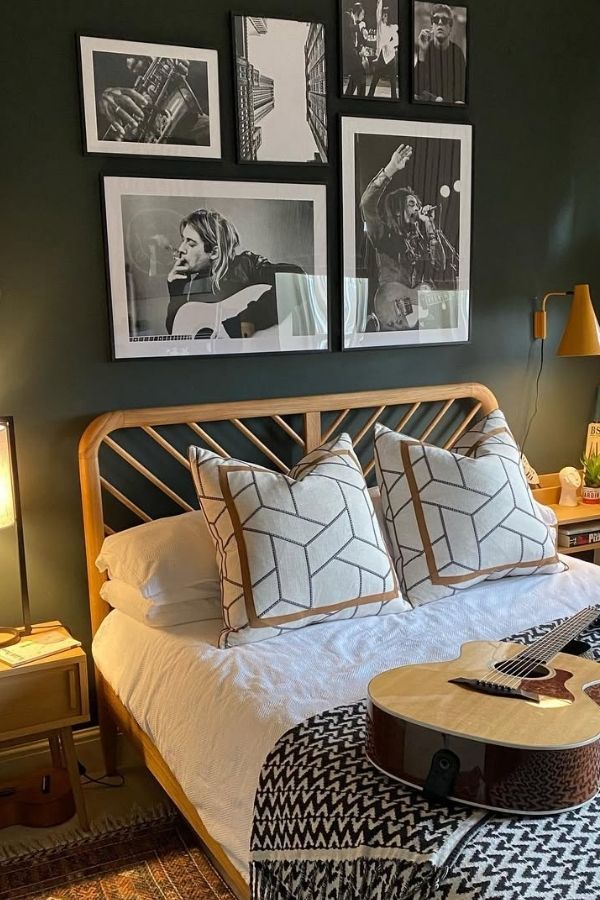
(512, 754)
(199, 316)
(41, 799)
(399, 307)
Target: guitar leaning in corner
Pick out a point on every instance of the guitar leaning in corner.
(504, 726)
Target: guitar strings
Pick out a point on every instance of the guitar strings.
(524, 663)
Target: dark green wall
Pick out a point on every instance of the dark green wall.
(535, 101)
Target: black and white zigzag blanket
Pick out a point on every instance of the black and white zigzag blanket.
(329, 826)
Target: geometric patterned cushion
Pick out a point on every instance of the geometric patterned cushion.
(455, 519)
(296, 549)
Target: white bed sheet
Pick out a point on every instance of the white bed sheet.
(215, 714)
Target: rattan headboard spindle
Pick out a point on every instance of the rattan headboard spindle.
(456, 404)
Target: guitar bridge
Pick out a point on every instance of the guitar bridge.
(493, 687)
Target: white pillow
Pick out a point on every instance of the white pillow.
(456, 519)
(130, 601)
(168, 560)
(295, 549)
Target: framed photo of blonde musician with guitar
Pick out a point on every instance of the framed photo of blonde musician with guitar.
(406, 200)
(213, 268)
(149, 99)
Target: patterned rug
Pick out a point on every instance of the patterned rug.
(148, 861)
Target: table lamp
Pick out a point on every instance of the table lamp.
(10, 515)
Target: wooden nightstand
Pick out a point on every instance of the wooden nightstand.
(46, 698)
(549, 493)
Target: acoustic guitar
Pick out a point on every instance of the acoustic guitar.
(504, 726)
(41, 799)
(205, 319)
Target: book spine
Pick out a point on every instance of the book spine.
(578, 540)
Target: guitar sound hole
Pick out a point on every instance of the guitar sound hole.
(508, 666)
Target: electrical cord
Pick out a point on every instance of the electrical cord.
(537, 397)
(87, 779)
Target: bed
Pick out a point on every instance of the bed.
(133, 467)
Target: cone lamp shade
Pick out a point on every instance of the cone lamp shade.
(582, 333)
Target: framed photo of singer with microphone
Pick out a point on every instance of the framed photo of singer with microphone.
(149, 99)
(406, 222)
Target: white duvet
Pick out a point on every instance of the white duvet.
(215, 714)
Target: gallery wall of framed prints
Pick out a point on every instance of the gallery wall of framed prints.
(202, 265)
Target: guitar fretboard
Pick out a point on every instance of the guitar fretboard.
(543, 650)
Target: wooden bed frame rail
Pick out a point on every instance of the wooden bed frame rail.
(460, 403)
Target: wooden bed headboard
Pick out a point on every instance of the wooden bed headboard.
(133, 463)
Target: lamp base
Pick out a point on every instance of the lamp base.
(9, 636)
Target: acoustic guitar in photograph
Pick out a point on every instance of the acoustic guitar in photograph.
(204, 319)
(395, 301)
(504, 726)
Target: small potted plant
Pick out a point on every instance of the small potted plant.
(590, 492)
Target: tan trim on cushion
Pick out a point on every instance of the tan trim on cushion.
(263, 622)
(434, 574)
(484, 437)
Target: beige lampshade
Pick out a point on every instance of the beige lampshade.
(582, 333)
(7, 506)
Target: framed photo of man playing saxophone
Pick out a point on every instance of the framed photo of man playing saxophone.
(406, 201)
(149, 99)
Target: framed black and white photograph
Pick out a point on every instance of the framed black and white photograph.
(281, 90)
(370, 33)
(149, 99)
(207, 268)
(439, 65)
(406, 221)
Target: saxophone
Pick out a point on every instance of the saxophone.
(169, 97)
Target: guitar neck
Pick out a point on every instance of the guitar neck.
(546, 648)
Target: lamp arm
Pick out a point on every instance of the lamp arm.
(540, 330)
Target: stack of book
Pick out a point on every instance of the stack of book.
(580, 534)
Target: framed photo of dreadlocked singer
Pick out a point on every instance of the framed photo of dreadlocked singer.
(212, 268)
(406, 201)
(149, 99)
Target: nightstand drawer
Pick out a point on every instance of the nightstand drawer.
(29, 699)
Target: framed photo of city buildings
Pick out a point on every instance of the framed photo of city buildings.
(211, 268)
(370, 32)
(439, 59)
(406, 221)
(281, 90)
(149, 99)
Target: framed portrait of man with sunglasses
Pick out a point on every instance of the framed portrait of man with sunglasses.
(439, 72)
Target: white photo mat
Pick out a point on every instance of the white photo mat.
(356, 287)
(95, 144)
(159, 194)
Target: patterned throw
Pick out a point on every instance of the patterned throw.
(329, 826)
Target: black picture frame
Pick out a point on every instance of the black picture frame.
(202, 139)
(359, 328)
(307, 321)
(316, 116)
(449, 72)
(370, 57)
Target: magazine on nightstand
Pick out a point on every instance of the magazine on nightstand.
(37, 646)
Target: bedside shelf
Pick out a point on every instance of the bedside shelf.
(549, 493)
